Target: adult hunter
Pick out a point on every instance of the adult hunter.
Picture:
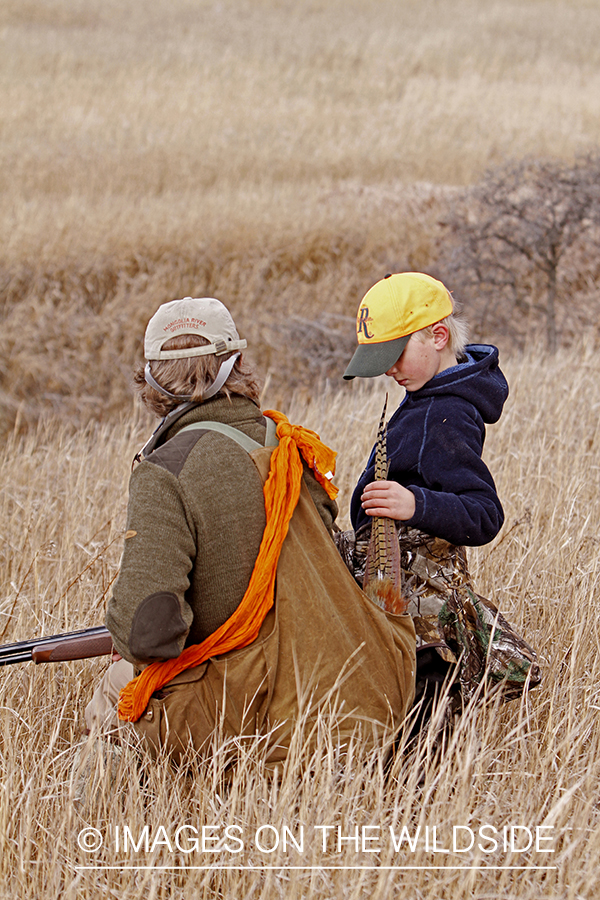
(233, 609)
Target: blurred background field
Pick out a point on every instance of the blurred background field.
(283, 156)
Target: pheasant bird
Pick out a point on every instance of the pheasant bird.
(382, 580)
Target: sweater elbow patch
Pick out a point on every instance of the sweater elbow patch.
(157, 628)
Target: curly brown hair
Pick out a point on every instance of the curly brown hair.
(192, 376)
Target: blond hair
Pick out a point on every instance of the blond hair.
(191, 377)
(458, 329)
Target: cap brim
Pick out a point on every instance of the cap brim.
(371, 360)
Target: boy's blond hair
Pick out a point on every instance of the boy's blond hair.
(191, 377)
(458, 328)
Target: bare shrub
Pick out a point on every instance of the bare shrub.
(520, 248)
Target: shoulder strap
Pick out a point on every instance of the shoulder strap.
(271, 439)
(235, 434)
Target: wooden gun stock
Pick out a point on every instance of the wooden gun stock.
(84, 644)
(82, 648)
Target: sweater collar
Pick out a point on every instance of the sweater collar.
(229, 410)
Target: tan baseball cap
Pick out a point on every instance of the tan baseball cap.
(389, 313)
(203, 316)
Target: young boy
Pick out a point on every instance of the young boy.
(437, 481)
(438, 489)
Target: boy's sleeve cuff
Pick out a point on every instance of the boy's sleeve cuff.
(419, 512)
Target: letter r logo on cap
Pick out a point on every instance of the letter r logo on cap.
(362, 321)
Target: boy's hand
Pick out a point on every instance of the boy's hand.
(388, 498)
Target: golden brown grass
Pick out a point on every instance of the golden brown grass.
(281, 155)
(536, 763)
(128, 124)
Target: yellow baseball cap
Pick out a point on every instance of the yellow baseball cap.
(389, 313)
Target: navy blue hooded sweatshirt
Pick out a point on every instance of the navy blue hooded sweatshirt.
(435, 440)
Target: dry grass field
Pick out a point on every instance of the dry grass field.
(522, 765)
(158, 126)
(281, 156)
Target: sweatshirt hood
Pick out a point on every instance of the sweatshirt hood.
(478, 380)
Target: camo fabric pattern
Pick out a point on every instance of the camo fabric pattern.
(466, 630)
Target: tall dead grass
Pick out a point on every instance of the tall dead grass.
(528, 764)
(281, 156)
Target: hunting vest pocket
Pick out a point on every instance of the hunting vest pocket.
(240, 683)
(232, 692)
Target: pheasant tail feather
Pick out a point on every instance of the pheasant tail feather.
(383, 570)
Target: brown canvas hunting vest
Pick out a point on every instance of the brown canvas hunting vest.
(323, 650)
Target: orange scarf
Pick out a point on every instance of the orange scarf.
(281, 490)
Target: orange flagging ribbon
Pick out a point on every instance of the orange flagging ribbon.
(281, 490)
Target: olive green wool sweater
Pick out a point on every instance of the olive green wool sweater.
(194, 525)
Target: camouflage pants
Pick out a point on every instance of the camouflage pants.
(453, 623)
